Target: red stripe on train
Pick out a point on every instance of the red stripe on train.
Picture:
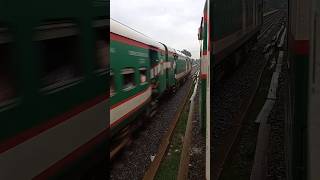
(128, 99)
(28, 134)
(205, 17)
(76, 154)
(203, 76)
(301, 47)
(129, 113)
(131, 42)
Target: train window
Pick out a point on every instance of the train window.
(7, 86)
(143, 75)
(61, 61)
(8, 89)
(128, 79)
(112, 85)
(153, 54)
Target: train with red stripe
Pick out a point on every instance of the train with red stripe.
(142, 71)
(53, 123)
(303, 118)
(224, 38)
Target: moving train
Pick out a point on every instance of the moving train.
(220, 40)
(303, 122)
(228, 29)
(53, 122)
(142, 70)
(224, 37)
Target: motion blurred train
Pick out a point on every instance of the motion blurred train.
(218, 34)
(228, 29)
(224, 38)
(53, 90)
(303, 115)
(142, 70)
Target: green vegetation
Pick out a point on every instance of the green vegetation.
(169, 167)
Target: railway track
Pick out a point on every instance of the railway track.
(269, 22)
(166, 140)
(233, 98)
(141, 159)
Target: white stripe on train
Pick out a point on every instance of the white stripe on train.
(35, 155)
(123, 109)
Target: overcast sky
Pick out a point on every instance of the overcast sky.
(172, 22)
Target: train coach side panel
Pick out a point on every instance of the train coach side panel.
(181, 65)
(228, 31)
(158, 74)
(171, 81)
(299, 58)
(227, 18)
(314, 96)
(130, 76)
(53, 124)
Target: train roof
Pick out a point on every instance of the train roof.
(181, 55)
(170, 49)
(123, 30)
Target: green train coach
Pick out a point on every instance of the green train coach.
(53, 123)
(141, 72)
(223, 37)
(302, 111)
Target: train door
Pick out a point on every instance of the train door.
(157, 75)
(175, 67)
(166, 67)
(171, 69)
(153, 68)
(162, 71)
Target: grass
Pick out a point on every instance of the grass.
(169, 167)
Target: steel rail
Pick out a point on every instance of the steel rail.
(236, 129)
(165, 142)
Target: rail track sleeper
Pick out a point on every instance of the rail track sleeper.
(185, 155)
(236, 129)
(155, 164)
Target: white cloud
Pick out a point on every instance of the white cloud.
(173, 22)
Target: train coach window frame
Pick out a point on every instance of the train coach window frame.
(8, 79)
(128, 79)
(143, 75)
(62, 65)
